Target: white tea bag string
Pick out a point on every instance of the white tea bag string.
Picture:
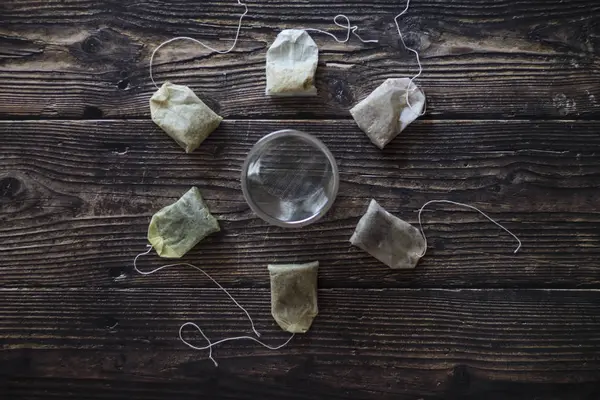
(237, 35)
(210, 344)
(467, 206)
(416, 53)
(350, 29)
(199, 269)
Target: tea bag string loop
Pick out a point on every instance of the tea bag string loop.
(350, 29)
(416, 53)
(199, 269)
(467, 206)
(237, 35)
(212, 344)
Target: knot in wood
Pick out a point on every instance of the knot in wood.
(9, 188)
(91, 45)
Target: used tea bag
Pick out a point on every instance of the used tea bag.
(291, 64)
(175, 229)
(294, 295)
(385, 112)
(182, 115)
(389, 239)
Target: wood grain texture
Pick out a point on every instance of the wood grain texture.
(482, 59)
(369, 344)
(473, 321)
(76, 199)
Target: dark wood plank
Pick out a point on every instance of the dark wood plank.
(76, 199)
(370, 344)
(217, 385)
(482, 58)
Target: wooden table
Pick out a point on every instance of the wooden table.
(512, 126)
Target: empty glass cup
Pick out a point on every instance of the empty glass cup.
(290, 179)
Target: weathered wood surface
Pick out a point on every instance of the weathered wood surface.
(77, 197)
(365, 344)
(472, 321)
(482, 59)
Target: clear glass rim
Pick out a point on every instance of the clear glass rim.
(315, 142)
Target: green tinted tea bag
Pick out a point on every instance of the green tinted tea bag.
(291, 64)
(394, 242)
(294, 295)
(182, 115)
(175, 229)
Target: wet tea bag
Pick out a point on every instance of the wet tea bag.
(294, 295)
(182, 115)
(389, 109)
(389, 239)
(291, 64)
(175, 229)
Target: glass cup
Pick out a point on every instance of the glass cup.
(290, 178)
